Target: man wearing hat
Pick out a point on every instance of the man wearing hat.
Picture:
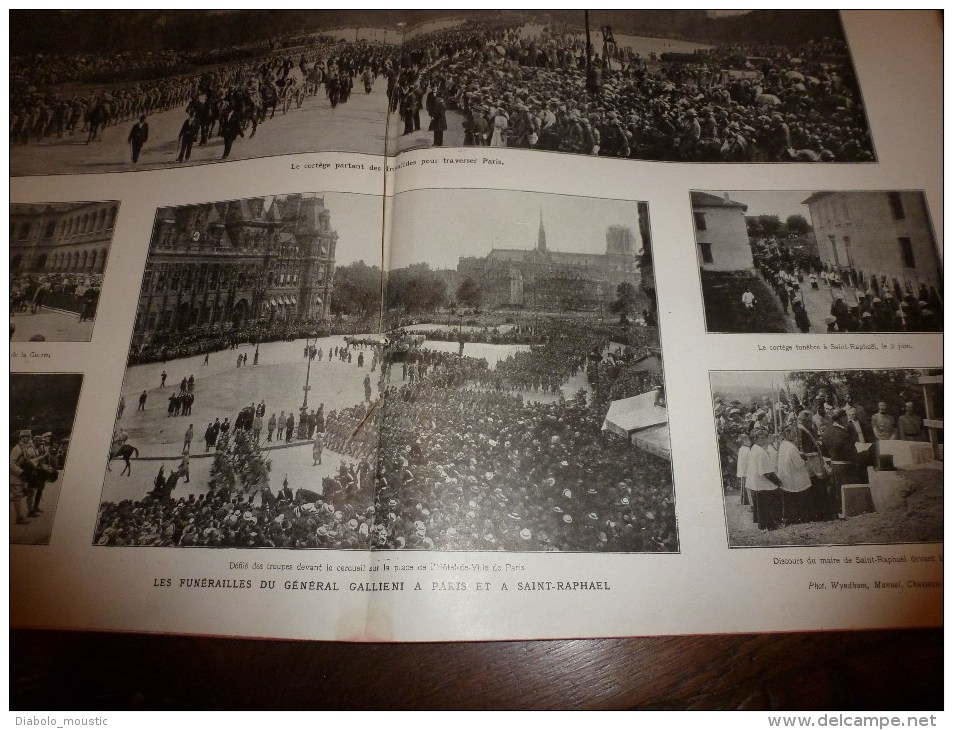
(479, 127)
(521, 127)
(138, 136)
(438, 117)
(841, 313)
(187, 135)
(21, 465)
(780, 135)
(690, 133)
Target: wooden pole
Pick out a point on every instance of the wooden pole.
(588, 45)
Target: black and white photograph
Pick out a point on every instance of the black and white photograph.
(855, 261)
(106, 91)
(58, 254)
(42, 412)
(498, 388)
(830, 457)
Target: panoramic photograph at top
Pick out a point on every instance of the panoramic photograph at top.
(108, 91)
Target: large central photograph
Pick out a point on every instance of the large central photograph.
(106, 91)
(496, 385)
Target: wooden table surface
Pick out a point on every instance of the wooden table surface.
(868, 670)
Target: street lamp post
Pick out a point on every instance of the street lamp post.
(302, 421)
(593, 74)
(588, 45)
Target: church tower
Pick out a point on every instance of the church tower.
(541, 240)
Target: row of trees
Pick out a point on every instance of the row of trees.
(865, 387)
(772, 225)
(44, 402)
(359, 288)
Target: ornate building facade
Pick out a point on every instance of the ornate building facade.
(256, 261)
(61, 238)
(544, 280)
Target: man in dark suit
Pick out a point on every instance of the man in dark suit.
(839, 447)
(138, 136)
(438, 118)
(862, 414)
(858, 427)
(187, 136)
(861, 432)
(231, 130)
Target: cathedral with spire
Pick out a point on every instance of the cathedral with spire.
(239, 263)
(544, 280)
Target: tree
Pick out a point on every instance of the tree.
(867, 387)
(625, 301)
(753, 225)
(469, 294)
(770, 224)
(357, 289)
(797, 224)
(45, 401)
(763, 225)
(415, 288)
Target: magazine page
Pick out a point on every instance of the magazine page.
(606, 379)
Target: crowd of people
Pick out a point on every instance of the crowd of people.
(492, 335)
(859, 301)
(517, 88)
(787, 459)
(35, 461)
(446, 456)
(50, 69)
(515, 84)
(173, 346)
(238, 88)
(75, 292)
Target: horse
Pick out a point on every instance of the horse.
(246, 104)
(124, 452)
(269, 100)
(206, 108)
(292, 89)
(209, 115)
(268, 500)
(164, 491)
(304, 496)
